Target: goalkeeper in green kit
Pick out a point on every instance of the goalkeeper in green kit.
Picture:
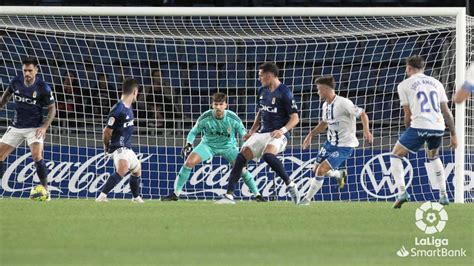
(218, 127)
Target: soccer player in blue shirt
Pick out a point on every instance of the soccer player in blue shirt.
(31, 95)
(277, 115)
(117, 139)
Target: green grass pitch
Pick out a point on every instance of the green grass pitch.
(82, 232)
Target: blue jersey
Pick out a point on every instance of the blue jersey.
(275, 107)
(121, 121)
(29, 102)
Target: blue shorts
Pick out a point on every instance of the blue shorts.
(413, 139)
(334, 155)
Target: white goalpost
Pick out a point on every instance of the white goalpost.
(181, 56)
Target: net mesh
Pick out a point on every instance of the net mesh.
(182, 61)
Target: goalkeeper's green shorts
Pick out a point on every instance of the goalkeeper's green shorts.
(206, 152)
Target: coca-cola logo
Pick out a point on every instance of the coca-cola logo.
(80, 175)
(209, 179)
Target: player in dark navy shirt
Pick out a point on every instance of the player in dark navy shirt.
(31, 95)
(275, 107)
(117, 139)
(277, 115)
(121, 121)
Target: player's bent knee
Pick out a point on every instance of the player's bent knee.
(432, 154)
(247, 153)
(5, 150)
(122, 168)
(323, 168)
(37, 157)
(399, 150)
(192, 160)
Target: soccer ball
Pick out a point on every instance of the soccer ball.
(39, 193)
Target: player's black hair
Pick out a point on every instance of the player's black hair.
(29, 61)
(325, 80)
(219, 97)
(269, 67)
(416, 61)
(129, 85)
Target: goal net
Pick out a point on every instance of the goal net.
(182, 60)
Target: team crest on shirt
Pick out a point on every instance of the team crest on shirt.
(34, 94)
(229, 130)
(273, 100)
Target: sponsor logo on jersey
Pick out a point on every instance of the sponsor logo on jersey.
(269, 109)
(128, 124)
(22, 99)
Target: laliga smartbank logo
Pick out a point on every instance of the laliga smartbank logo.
(431, 218)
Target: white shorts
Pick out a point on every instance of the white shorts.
(127, 155)
(15, 136)
(258, 141)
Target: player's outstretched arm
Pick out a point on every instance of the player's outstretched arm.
(316, 130)
(41, 131)
(468, 87)
(449, 120)
(461, 95)
(7, 95)
(365, 123)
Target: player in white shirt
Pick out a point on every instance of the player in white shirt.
(467, 88)
(425, 106)
(339, 117)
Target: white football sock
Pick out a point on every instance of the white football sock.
(438, 169)
(314, 187)
(397, 172)
(333, 173)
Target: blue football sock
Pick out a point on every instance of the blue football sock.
(111, 182)
(42, 172)
(2, 169)
(277, 166)
(236, 172)
(135, 185)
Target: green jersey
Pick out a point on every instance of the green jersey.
(218, 133)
